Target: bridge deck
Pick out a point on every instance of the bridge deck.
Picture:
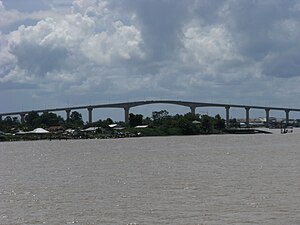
(140, 103)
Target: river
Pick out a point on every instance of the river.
(188, 180)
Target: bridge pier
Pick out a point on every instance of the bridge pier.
(126, 111)
(68, 113)
(247, 116)
(287, 117)
(127, 105)
(227, 116)
(90, 114)
(267, 118)
(193, 109)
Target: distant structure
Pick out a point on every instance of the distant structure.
(192, 105)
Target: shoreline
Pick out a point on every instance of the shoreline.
(61, 137)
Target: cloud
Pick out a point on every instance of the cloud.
(123, 43)
(7, 61)
(264, 30)
(121, 48)
(77, 42)
(209, 48)
(160, 23)
(16, 15)
(7, 16)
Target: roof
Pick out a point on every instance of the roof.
(141, 126)
(91, 129)
(22, 132)
(39, 131)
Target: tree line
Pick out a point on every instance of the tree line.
(33, 120)
(160, 123)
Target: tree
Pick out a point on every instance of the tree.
(75, 120)
(219, 123)
(147, 120)
(9, 123)
(186, 126)
(8, 120)
(135, 120)
(206, 124)
(159, 116)
(109, 121)
(50, 119)
(32, 120)
(103, 123)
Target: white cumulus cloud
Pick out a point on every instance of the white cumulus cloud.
(128, 48)
(54, 46)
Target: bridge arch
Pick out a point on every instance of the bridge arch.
(192, 105)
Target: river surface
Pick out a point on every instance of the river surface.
(188, 180)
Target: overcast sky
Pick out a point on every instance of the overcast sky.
(56, 53)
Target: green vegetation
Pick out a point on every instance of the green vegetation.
(33, 120)
(161, 123)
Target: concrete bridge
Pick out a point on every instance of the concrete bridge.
(128, 105)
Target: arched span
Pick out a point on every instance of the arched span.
(171, 102)
(127, 105)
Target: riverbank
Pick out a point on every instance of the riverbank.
(246, 131)
(125, 134)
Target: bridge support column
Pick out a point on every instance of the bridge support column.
(287, 117)
(193, 109)
(267, 118)
(126, 111)
(227, 116)
(68, 113)
(247, 116)
(90, 116)
(22, 115)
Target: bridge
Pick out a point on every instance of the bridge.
(128, 105)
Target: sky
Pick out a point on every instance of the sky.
(56, 53)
